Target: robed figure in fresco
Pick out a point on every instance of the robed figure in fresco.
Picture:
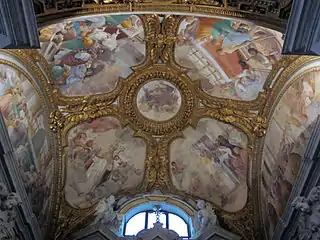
(82, 52)
(97, 170)
(24, 116)
(230, 32)
(90, 168)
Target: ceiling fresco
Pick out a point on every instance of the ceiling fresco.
(83, 52)
(162, 127)
(103, 158)
(158, 100)
(230, 58)
(175, 103)
(285, 143)
(26, 118)
(144, 104)
(211, 162)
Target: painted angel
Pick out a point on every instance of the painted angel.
(107, 40)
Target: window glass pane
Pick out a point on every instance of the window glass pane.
(152, 218)
(178, 225)
(135, 224)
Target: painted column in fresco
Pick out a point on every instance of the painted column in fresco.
(9, 175)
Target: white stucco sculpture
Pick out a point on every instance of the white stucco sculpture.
(105, 214)
(309, 218)
(204, 217)
(8, 202)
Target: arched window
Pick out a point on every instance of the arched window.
(146, 219)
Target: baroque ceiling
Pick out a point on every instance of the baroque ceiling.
(143, 104)
(172, 102)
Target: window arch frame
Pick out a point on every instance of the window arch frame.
(167, 225)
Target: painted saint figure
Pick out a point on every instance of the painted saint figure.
(82, 52)
(89, 166)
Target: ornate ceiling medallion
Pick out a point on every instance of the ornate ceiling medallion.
(158, 100)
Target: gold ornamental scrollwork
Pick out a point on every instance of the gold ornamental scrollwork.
(69, 218)
(157, 174)
(160, 39)
(56, 121)
(168, 39)
(243, 222)
(251, 117)
(106, 98)
(252, 124)
(128, 101)
(71, 115)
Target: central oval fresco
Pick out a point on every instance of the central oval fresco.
(159, 100)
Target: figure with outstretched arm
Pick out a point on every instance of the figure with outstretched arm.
(167, 87)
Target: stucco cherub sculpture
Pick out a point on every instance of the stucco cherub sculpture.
(309, 219)
(8, 201)
(105, 214)
(204, 217)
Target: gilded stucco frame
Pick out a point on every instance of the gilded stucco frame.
(160, 45)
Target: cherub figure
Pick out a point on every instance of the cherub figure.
(8, 201)
(104, 211)
(105, 214)
(204, 217)
(309, 218)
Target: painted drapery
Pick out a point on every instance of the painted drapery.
(26, 118)
(285, 144)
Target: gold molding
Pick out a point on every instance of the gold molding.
(159, 7)
(158, 72)
(251, 117)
